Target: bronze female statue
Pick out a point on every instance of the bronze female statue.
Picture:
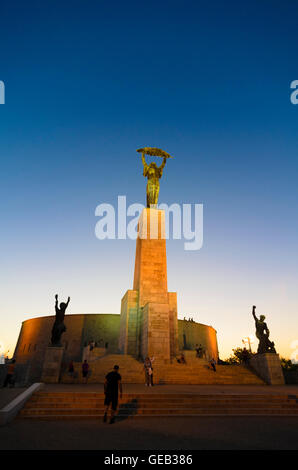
(153, 173)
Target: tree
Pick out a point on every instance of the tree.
(240, 356)
(287, 364)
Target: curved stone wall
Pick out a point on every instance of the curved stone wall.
(191, 334)
(35, 337)
(102, 328)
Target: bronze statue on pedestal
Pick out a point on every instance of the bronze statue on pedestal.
(59, 327)
(262, 333)
(153, 173)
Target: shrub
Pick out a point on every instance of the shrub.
(239, 356)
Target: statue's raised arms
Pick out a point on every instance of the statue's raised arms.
(153, 172)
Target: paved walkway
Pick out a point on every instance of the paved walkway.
(191, 389)
(212, 433)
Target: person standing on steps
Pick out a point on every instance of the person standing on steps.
(85, 370)
(182, 359)
(10, 373)
(71, 371)
(199, 350)
(148, 371)
(213, 364)
(112, 386)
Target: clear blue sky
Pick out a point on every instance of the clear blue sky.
(87, 83)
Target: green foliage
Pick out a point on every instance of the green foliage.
(239, 356)
(287, 364)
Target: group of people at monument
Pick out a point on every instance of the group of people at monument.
(200, 351)
(85, 370)
(112, 384)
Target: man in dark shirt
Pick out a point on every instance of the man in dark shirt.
(111, 386)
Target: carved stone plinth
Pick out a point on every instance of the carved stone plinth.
(268, 367)
(52, 364)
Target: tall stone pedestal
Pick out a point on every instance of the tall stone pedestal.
(52, 364)
(149, 325)
(268, 367)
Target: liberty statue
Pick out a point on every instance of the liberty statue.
(153, 173)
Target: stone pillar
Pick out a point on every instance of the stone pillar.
(268, 367)
(149, 324)
(128, 338)
(155, 331)
(173, 323)
(52, 364)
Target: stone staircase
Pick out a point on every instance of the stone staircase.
(195, 371)
(131, 370)
(94, 354)
(89, 405)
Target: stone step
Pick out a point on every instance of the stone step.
(150, 400)
(169, 375)
(147, 416)
(144, 403)
(196, 371)
(98, 413)
(77, 405)
(177, 382)
(161, 396)
(158, 406)
(155, 398)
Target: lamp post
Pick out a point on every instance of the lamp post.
(248, 340)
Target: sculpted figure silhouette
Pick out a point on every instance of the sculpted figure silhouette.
(262, 333)
(59, 327)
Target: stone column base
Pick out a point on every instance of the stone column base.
(52, 364)
(155, 331)
(268, 367)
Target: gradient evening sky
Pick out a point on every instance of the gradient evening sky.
(87, 83)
